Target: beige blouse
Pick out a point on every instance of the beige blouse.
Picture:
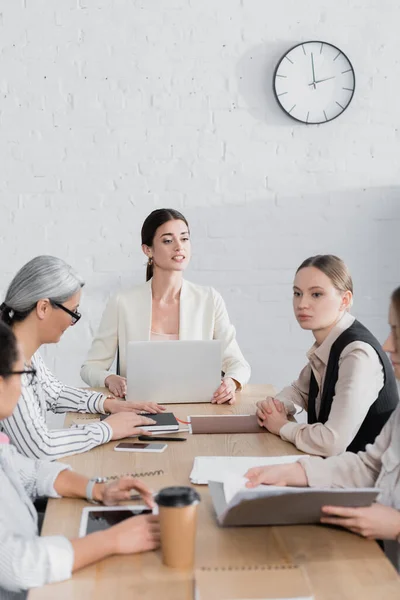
(359, 383)
(163, 337)
(378, 466)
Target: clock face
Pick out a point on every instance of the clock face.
(314, 82)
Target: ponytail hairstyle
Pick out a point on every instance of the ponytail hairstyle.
(8, 350)
(334, 268)
(42, 277)
(151, 224)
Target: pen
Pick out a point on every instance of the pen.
(152, 438)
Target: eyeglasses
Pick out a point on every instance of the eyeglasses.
(30, 373)
(75, 315)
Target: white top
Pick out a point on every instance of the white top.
(27, 560)
(27, 426)
(128, 316)
(378, 466)
(359, 383)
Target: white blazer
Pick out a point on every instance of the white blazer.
(127, 318)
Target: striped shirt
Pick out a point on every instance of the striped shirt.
(27, 428)
(27, 560)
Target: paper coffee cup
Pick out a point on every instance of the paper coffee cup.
(178, 518)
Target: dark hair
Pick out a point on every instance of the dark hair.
(152, 223)
(396, 304)
(8, 349)
(333, 267)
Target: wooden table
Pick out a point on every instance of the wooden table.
(339, 565)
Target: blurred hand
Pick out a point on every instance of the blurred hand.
(113, 405)
(373, 522)
(115, 492)
(225, 392)
(136, 534)
(282, 475)
(116, 385)
(271, 414)
(124, 424)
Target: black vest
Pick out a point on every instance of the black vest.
(383, 406)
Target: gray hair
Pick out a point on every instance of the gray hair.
(42, 277)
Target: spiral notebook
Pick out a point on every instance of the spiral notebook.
(267, 582)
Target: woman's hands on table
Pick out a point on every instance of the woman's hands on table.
(117, 385)
(281, 475)
(271, 414)
(113, 405)
(225, 392)
(125, 424)
(117, 491)
(136, 534)
(375, 522)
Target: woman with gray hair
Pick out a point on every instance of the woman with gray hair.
(41, 303)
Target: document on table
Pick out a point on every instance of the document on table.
(215, 468)
(237, 505)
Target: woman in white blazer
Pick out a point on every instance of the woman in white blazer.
(165, 307)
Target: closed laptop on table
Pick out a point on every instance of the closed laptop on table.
(225, 424)
(173, 371)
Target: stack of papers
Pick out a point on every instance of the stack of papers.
(217, 468)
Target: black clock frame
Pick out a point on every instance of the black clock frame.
(279, 64)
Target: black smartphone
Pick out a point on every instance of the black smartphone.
(141, 447)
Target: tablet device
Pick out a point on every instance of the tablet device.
(99, 518)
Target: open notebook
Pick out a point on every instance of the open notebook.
(271, 505)
(268, 582)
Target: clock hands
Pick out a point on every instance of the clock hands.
(315, 81)
(313, 71)
(321, 80)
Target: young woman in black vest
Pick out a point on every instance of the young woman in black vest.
(348, 387)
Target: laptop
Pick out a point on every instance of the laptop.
(174, 371)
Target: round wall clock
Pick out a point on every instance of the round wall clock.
(314, 82)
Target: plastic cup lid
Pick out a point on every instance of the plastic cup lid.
(177, 496)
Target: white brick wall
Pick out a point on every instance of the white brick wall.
(110, 109)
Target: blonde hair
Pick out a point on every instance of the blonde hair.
(334, 268)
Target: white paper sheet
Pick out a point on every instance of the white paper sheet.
(233, 484)
(216, 468)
